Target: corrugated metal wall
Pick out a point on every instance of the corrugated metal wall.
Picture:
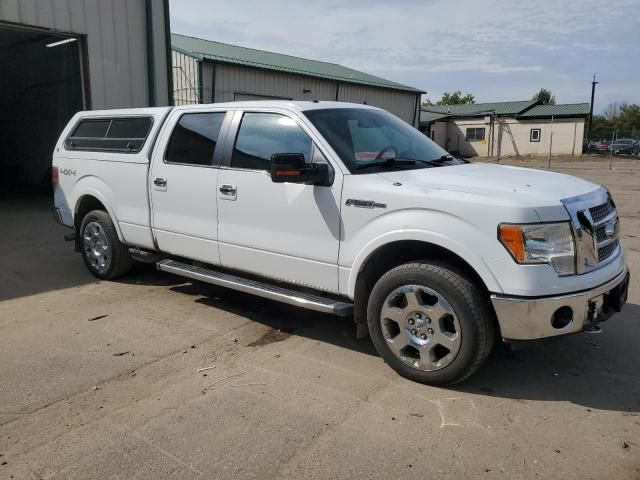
(231, 79)
(401, 104)
(186, 89)
(116, 43)
(231, 82)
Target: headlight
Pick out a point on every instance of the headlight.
(550, 243)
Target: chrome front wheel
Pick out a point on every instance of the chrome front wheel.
(430, 322)
(420, 327)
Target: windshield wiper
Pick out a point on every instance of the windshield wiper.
(442, 159)
(390, 162)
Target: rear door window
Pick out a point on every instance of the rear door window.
(125, 135)
(194, 138)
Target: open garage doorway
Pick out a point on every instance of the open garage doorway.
(41, 88)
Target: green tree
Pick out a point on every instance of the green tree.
(455, 98)
(620, 119)
(545, 97)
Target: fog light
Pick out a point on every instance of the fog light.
(562, 317)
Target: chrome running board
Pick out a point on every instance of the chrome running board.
(261, 289)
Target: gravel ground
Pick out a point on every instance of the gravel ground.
(99, 380)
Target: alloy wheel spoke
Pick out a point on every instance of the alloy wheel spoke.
(393, 313)
(450, 341)
(413, 299)
(427, 359)
(397, 343)
(436, 312)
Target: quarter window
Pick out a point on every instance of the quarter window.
(534, 135)
(474, 134)
(110, 134)
(262, 135)
(194, 139)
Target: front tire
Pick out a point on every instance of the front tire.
(103, 253)
(430, 323)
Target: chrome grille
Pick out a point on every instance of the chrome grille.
(600, 212)
(601, 233)
(606, 251)
(595, 224)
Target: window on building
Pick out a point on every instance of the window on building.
(110, 134)
(474, 134)
(194, 138)
(262, 135)
(534, 135)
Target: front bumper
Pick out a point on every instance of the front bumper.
(523, 318)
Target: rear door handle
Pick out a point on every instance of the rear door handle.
(228, 191)
(160, 182)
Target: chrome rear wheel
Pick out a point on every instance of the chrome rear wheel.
(96, 247)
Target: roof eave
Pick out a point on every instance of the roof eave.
(271, 68)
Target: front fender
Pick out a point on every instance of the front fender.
(454, 234)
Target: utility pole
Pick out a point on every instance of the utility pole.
(550, 144)
(593, 94)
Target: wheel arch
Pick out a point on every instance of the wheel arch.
(388, 255)
(92, 200)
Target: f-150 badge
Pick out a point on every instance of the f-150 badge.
(353, 202)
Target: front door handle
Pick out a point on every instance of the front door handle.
(228, 191)
(160, 182)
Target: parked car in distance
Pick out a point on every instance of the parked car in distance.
(346, 209)
(599, 147)
(626, 146)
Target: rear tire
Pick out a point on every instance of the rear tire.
(103, 253)
(430, 323)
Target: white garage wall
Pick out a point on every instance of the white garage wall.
(515, 137)
(116, 43)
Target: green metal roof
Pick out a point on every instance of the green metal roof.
(500, 108)
(222, 52)
(520, 109)
(428, 117)
(564, 110)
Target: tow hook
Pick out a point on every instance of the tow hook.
(592, 313)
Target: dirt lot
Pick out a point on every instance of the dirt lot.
(99, 380)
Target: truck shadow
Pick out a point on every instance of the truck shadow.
(280, 317)
(597, 371)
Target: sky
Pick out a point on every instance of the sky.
(498, 50)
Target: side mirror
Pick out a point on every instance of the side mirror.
(291, 168)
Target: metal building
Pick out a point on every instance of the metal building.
(61, 56)
(205, 72)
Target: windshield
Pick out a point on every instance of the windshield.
(371, 140)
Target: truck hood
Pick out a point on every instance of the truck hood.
(525, 186)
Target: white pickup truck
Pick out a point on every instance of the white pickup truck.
(344, 209)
